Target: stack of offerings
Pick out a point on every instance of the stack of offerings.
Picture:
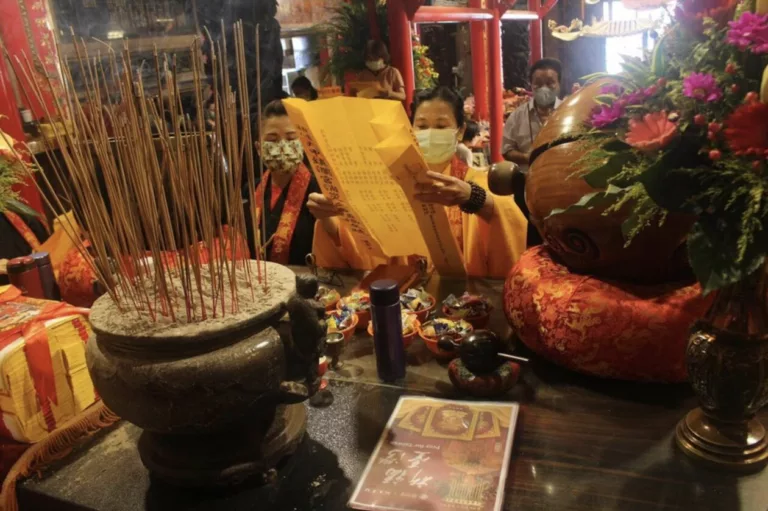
(44, 380)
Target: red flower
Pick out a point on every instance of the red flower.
(691, 13)
(746, 129)
(655, 131)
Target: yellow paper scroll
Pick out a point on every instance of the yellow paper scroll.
(346, 140)
(398, 150)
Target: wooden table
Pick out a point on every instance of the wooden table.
(581, 444)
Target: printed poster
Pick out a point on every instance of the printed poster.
(440, 455)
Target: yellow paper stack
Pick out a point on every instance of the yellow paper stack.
(23, 417)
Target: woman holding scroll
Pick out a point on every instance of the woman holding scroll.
(490, 229)
(281, 195)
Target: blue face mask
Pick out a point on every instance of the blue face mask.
(437, 145)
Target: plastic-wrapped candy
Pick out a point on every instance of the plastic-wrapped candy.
(466, 306)
(327, 296)
(357, 301)
(457, 329)
(338, 321)
(410, 323)
(416, 299)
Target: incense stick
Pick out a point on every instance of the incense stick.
(148, 184)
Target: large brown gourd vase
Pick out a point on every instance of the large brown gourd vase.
(219, 401)
(588, 241)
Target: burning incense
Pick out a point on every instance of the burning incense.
(158, 196)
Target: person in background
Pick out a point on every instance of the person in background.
(525, 123)
(489, 229)
(462, 150)
(302, 88)
(282, 194)
(314, 72)
(388, 79)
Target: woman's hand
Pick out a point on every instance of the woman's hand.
(320, 207)
(325, 213)
(444, 190)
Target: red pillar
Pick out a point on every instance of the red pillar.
(373, 20)
(478, 33)
(401, 46)
(24, 29)
(15, 30)
(495, 84)
(537, 44)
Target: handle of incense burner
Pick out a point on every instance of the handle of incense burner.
(507, 356)
(447, 344)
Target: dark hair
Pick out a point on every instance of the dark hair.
(274, 109)
(472, 130)
(552, 64)
(442, 93)
(376, 48)
(303, 83)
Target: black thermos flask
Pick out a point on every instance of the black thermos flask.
(47, 279)
(387, 330)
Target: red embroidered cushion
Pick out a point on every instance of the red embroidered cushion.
(598, 327)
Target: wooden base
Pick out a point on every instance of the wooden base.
(737, 447)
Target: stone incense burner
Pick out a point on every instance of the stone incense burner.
(219, 400)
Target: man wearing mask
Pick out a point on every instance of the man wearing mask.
(281, 195)
(525, 123)
(388, 80)
(523, 126)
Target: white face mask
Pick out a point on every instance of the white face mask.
(375, 65)
(437, 145)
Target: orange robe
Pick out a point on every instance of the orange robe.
(490, 248)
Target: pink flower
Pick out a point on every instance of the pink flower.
(750, 31)
(612, 88)
(702, 87)
(636, 97)
(605, 115)
(651, 133)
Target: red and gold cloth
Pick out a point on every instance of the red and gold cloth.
(455, 218)
(280, 248)
(603, 328)
(44, 380)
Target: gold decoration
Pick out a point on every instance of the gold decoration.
(602, 29)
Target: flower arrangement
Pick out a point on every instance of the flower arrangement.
(686, 131)
(13, 172)
(348, 31)
(424, 67)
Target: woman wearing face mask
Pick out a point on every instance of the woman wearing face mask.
(282, 194)
(489, 229)
(388, 79)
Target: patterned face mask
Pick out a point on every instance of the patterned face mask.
(282, 156)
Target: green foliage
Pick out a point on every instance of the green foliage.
(11, 174)
(425, 73)
(349, 31)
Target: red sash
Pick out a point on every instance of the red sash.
(21, 226)
(297, 190)
(455, 216)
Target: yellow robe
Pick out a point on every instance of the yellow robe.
(490, 248)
